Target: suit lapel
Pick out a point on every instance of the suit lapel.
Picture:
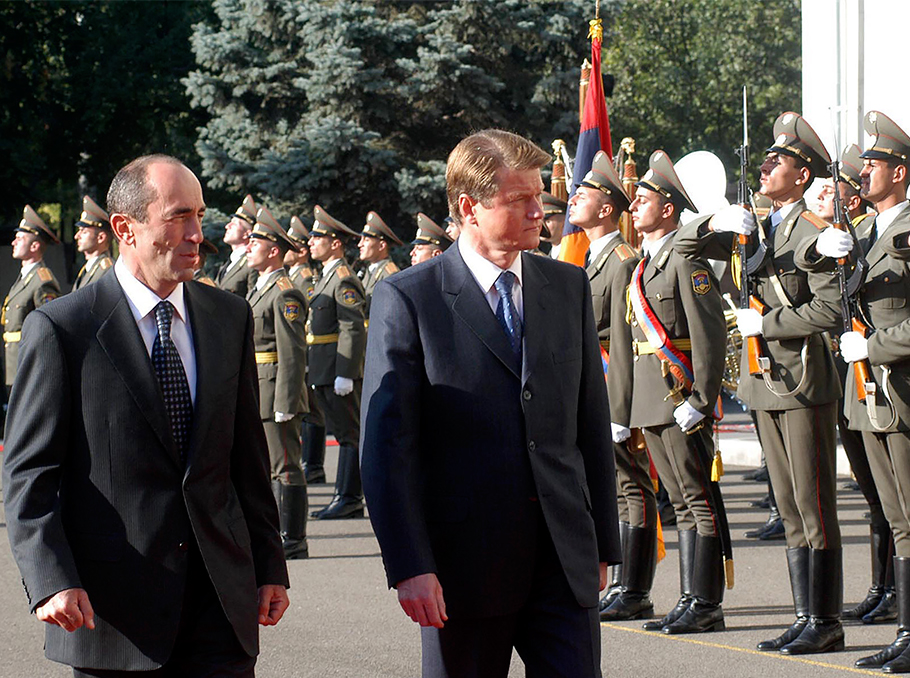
(119, 336)
(535, 287)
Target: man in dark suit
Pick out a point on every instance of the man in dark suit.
(487, 460)
(137, 491)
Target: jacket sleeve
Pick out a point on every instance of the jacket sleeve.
(619, 376)
(350, 303)
(290, 311)
(695, 241)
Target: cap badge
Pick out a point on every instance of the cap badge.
(787, 118)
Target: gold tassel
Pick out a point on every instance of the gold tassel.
(596, 30)
(728, 570)
(717, 467)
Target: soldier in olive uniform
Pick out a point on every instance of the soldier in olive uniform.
(795, 395)
(234, 275)
(304, 275)
(884, 415)
(337, 339)
(279, 317)
(596, 208)
(206, 247)
(430, 241)
(35, 286)
(93, 239)
(676, 315)
(376, 239)
(554, 219)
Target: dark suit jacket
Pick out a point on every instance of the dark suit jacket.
(96, 495)
(462, 449)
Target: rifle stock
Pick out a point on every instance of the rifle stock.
(753, 343)
(861, 369)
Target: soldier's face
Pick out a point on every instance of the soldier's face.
(826, 200)
(586, 207)
(320, 247)
(86, 239)
(236, 232)
(453, 230)
(878, 179)
(511, 220)
(371, 249)
(781, 176)
(649, 210)
(22, 245)
(423, 252)
(258, 252)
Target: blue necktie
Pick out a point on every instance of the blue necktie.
(506, 311)
(172, 378)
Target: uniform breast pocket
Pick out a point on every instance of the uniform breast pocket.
(664, 304)
(796, 286)
(887, 291)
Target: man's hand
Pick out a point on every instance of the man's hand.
(343, 386)
(687, 416)
(749, 322)
(421, 599)
(69, 609)
(281, 417)
(853, 347)
(273, 601)
(732, 219)
(620, 433)
(834, 243)
(603, 575)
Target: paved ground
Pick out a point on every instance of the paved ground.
(344, 622)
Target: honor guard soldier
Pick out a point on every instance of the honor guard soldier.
(376, 239)
(93, 240)
(35, 286)
(677, 323)
(337, 339)
(795, 387)
(596, 208)
(234, 275)
(882, 413)
(303, 274)
(430, 241)
(452, 229)
(554, 219)
(279, 315)
(206, 247)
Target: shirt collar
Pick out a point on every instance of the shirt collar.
(652, 248)
(600, 244)
(263, 280)
(330, 266)
(779, 215)
(28, 268)
(886, 218)
(237, 255)
(142, 300)
(485, 272)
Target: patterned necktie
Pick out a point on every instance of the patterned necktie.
(506, 311)
(172, 378)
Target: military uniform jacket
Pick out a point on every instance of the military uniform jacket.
(336, 324)
(37, 288)
(815, 299)
(200, 276)
(304, 278)
(609, 275)
(383, 270)
(279, 334)
(92, 272)
(237, 277)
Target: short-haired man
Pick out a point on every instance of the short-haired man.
(430, 241)
(486, 453)
(93, 239)
(596, 208)
(34, 286)
(234, 275)
(554, 219)
(136, 491)
(376, 239)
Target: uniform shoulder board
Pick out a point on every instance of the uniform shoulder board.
(861, 218)
(343, 271)
(44, 274)
(623, 251)
(284, 283)
(391, 268)
(105, 263)
(306, 272)
(815, 220)
(205, 280)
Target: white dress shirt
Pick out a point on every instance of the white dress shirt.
(486, 273)
(599, 245)
(886, 218)
(650, 249)
(142, 302)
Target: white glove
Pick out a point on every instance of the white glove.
(733, 219)
(833, 243)
(749, 322)
(282, 417)
(687, 416)
(620, 433)
(854, 347)
(343, 386)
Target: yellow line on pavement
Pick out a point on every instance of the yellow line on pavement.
(721, 646)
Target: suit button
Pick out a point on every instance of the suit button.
(532, 445)
(183, 547)
(526, 394)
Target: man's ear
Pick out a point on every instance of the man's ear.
(466, 206)
(123, 229)
(669, 210)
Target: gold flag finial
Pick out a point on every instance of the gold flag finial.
(596, 30)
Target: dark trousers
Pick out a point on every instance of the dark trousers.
(206, 645)
(889, 458)
(284, 450)
(342, 413)
(552, 634)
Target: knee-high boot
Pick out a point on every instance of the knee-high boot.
(824, 632)
(686, 568)
(313, 453)
(348, 499)
(704, 613)
(292, 513)
(640, 557)
(886, 610)
(798, 566)
(615, 586)
(895, 651)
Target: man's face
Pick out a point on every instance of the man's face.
(453, 230)
(371, 249)
(236, 232)
(877, 179)
(586, 207)
(511, 222)
(87, 239)
(320, 247)
(165, 248)
(22, 245)
(258, 251)
(649, 211)
(826, 200)
(423, 252)
(780, 175)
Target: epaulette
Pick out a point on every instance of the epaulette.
(815, 220)
(205, 280)
(284, 283)
(105, 263)
(391, 268)
(623, 251)
(861, 218)
(306, 271)
(343, 271)
(45, 274)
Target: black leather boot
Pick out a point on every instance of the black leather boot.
(704, 614)
(640, 556)
(824, 632)
(773, 518)
(886, 610)
(686, 568)
(313, 453)
(348, 499)
(877, 590)
(292, 510)
(615, 586)
(798, 566)
(895, 650)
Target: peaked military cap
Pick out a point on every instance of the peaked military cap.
(298, 232)
(326, 224)
(429, 233)
(603, 177)
(551, 205)
(851, 163)
(890, 143)
(32, 223)
(93, 215)
(267, 228)
(377, 228)
(795, 137)
(661, 177)
(248, 210)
